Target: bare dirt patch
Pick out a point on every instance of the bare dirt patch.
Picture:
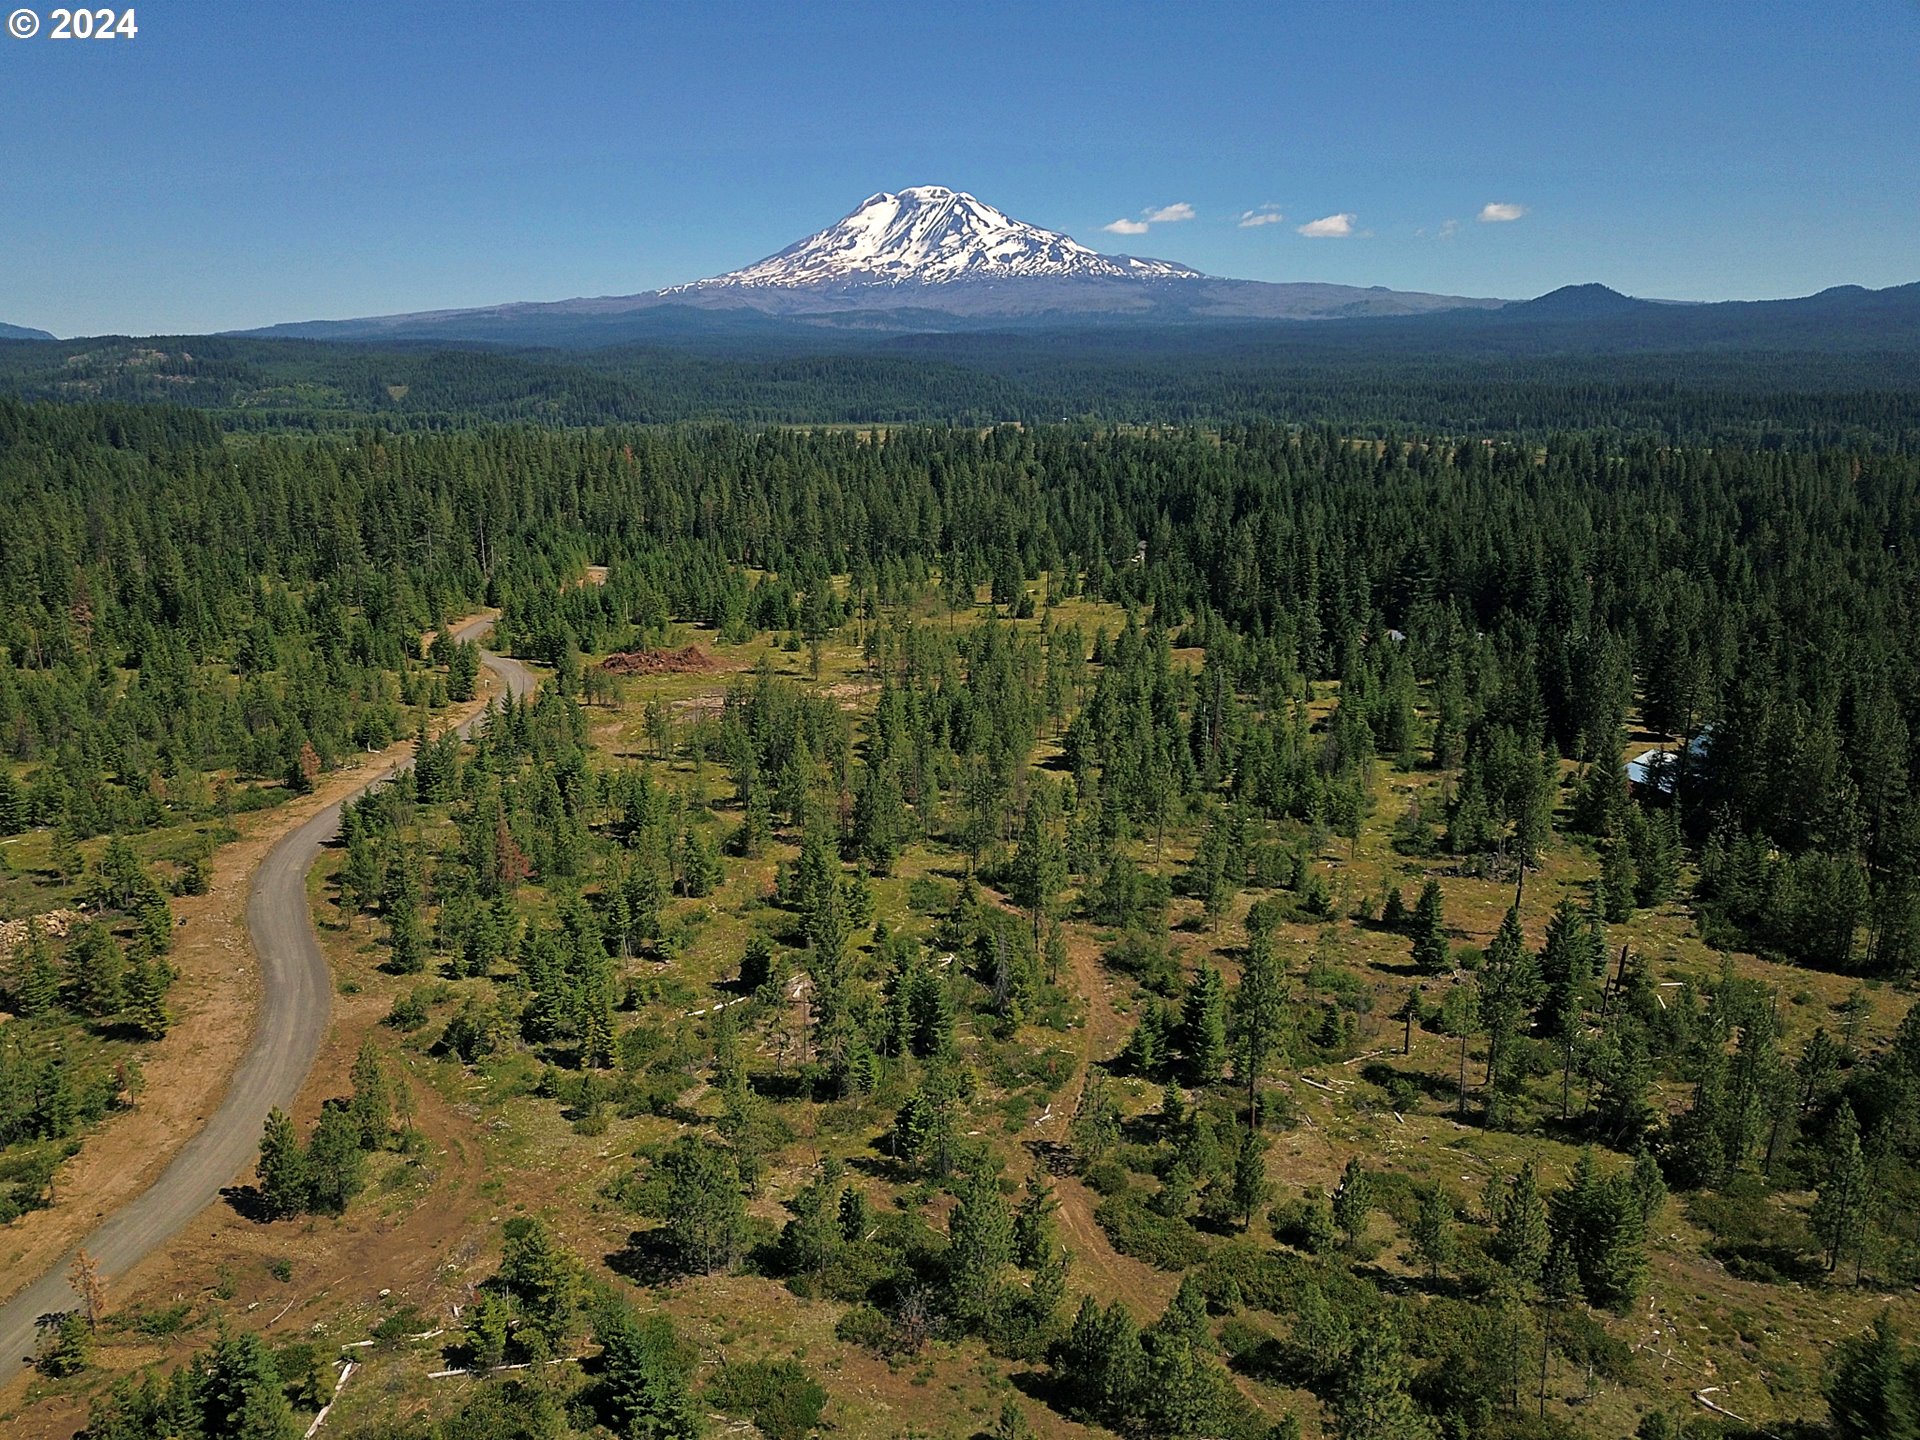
(687, 660)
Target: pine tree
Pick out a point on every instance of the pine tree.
(1559, 1283)
(1353, 1201)
(406, 935)
(1411, 1012)
(1431, 952)
(1617, 880)
(1203, 1027)
(66, 1345)
(1873, 1387)
(1186, 1389)
(1393, 914)
(1460, 1020)
(372, 1104)
(646, 1374)
(1321, 1339)
(155, 920)
(700, 869)
(1250, 1186)
(284, 1181)
(1102, 1359)
(1096, 1119)
(756, 826)
(91, 1286)
(1034, 1242)
(543, 1279)
(811, 1240)
(1656, 862)
(1818, 1070)
(1568, 964)
(1618, 1269)
(1601, 1222)
(35, 983)
(1509, 988)
(980, 1244)
(1373, 1403)
(147, 982)
(699, 1199)
(1260, 1010)
(1599, 799)
(1840, 1204)
(240, 1392)
(879, 819)
(1434, 1240)
(1649, 1185)
(1620, 1113)
(336, 1165)
(96, 972)
(13, 805)
(1521, 1237)
(1039, 866)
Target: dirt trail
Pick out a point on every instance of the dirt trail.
(1098, 1269)
(142, 1179)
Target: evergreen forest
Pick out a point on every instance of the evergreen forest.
(1397, 925)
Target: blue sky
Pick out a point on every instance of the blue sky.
(238, 164)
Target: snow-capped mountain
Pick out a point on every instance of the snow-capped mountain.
(930, 235)
(924, 259)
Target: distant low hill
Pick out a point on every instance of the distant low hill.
(1595, 318)
(22, 332)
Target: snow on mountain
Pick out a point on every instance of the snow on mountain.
(927, 259)
(930, 235)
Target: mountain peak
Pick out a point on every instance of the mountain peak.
(932, 235)
(1588, 299)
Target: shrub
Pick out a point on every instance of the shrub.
(409, 1012)
(928, 896)
(781, 1399)
(866, 1327)
(1107, 1177)
(1157, 1239)
(155, 1324)
(401, 1324)
(1147, 959)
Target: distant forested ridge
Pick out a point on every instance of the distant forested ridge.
(1365, 377)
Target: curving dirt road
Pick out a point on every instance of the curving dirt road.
(296, 994)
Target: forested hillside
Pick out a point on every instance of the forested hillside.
(1049, 929)
(1366, 378)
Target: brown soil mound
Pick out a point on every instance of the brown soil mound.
(687, 660)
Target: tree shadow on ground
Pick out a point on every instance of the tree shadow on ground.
(249, 1202)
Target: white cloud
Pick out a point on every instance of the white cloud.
(1126, 227)
(1499, 211)
(1167, 214)
(1329, 227)
(1265, 215)
(1449, 229)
